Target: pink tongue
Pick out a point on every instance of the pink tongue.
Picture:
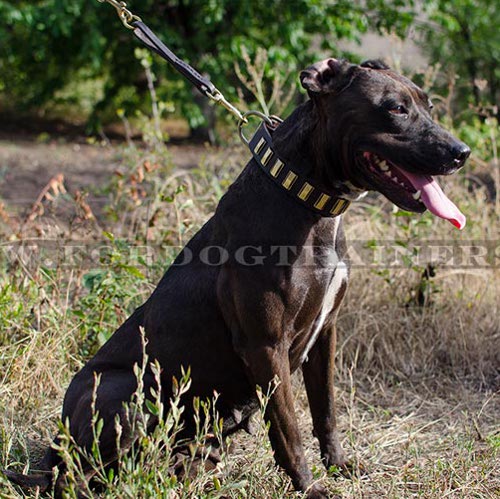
(435, 199)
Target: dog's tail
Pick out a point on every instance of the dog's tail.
(42, 479)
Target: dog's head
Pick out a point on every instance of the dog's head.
(388, 139)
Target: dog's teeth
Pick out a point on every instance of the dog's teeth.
(402, 184)
(416, 195)
(383, 166)
(388, 173)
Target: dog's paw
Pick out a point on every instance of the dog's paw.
(334, 456)
(317, 491)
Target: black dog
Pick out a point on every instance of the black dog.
(268, 308)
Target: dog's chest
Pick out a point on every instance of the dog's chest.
(332, 290)
(330, 275)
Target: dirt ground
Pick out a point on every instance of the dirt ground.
(27, 165)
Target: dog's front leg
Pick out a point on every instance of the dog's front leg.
(265, 363)
(318, 373)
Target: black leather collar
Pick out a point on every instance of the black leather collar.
(300, 188)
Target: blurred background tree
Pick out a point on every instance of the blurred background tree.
(464, 36)
(77, 55)
(49, 45)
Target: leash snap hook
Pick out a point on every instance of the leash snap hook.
(218, 97)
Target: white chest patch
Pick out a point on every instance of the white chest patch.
(339, 277)
(331, 294)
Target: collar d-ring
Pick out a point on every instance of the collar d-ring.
(271, 121)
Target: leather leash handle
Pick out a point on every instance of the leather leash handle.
(148, 38)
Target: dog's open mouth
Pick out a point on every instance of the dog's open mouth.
(411, 191)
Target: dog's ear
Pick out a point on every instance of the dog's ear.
(320, 78)
(374, 64)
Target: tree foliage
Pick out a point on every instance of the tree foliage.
(464, 36)
(46, 44)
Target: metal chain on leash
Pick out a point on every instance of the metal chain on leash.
(124, 14)
(204, 85)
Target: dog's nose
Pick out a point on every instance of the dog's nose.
(460, 153)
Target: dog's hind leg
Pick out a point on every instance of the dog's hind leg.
(119, 427)
(86, 481)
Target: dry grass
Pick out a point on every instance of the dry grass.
(417, 380)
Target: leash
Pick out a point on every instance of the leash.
(260, 144)
(151, 41)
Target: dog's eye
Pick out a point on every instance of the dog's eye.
(399, 109)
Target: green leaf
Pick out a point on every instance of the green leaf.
(152, 408)
(134, 271)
